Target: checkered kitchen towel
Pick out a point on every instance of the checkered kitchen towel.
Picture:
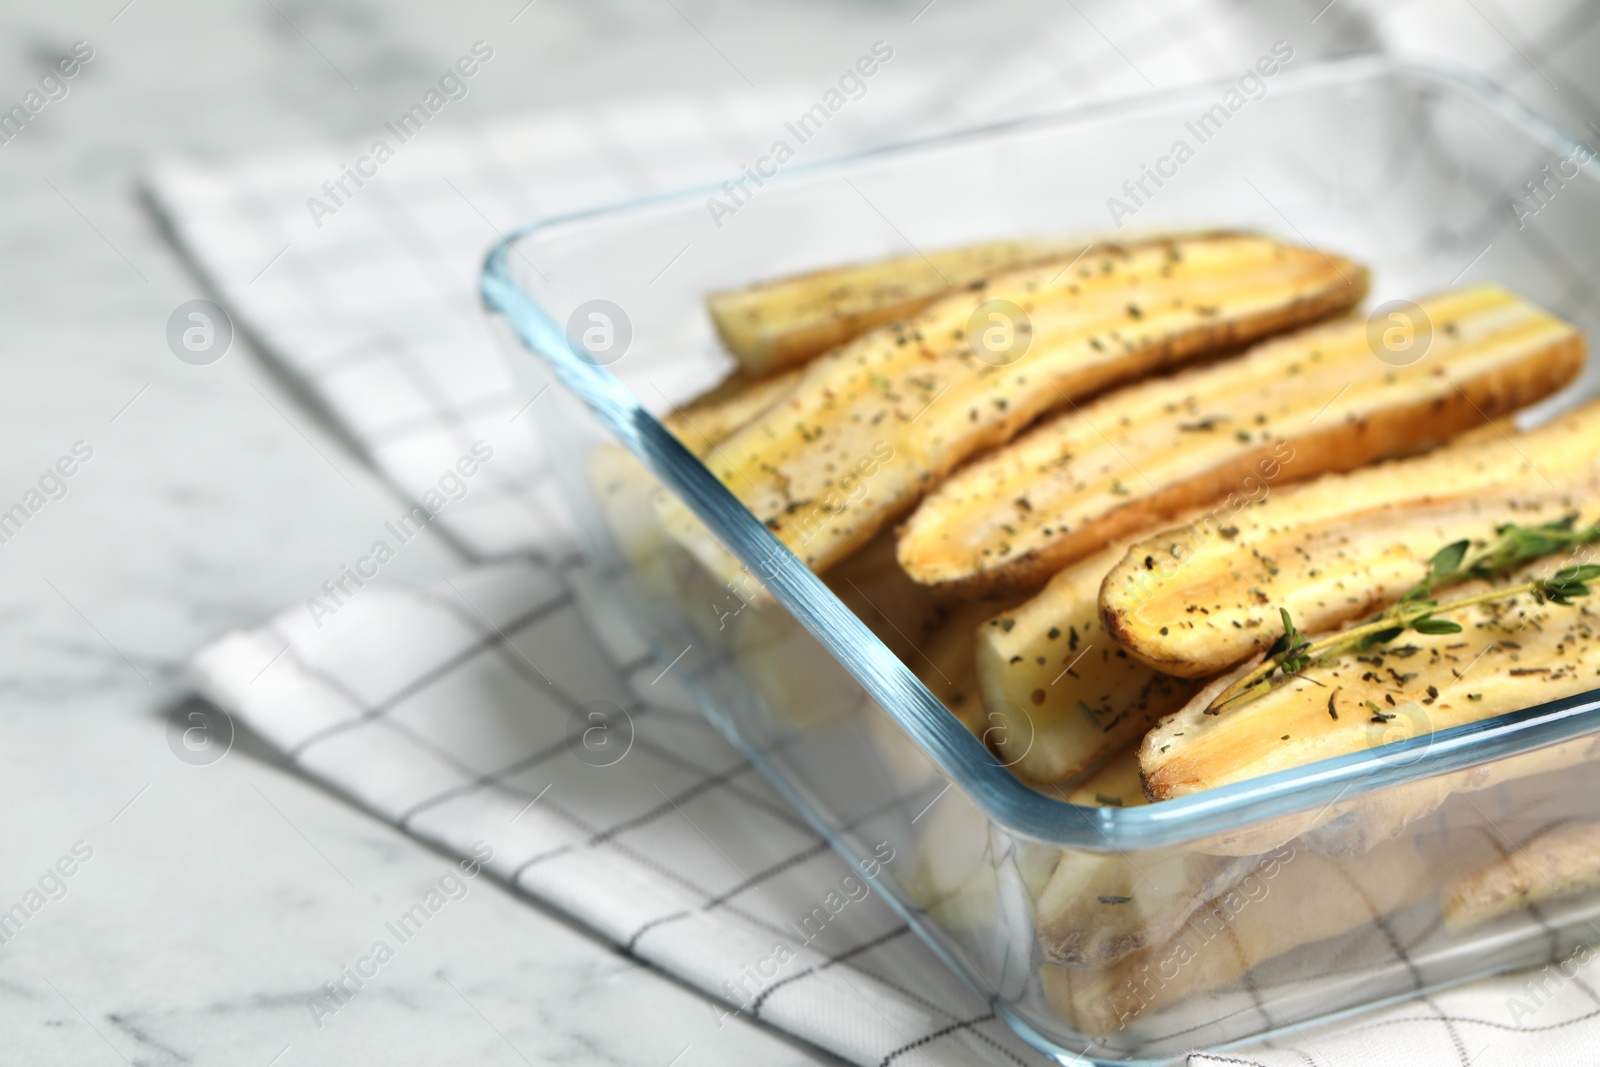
(453, 712)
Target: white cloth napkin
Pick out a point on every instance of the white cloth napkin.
(457, 712)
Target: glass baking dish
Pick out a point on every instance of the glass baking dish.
(1100, 933)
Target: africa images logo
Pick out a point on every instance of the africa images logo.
(452, 85)
(1251, 85)
(852, 85)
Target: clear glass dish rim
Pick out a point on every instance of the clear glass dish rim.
(953, 749)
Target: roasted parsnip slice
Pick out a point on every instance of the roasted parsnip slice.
(1355, 826)
(1061, 694)
(1197, 599)
(1290, 409)
(1511, 653)
(627, 492)
(932, 636)
(900, 612)
(780, 323)
(1288, 899)
(945, 664)
(873, 424)
(1098, 908)
(964, 871)
(711, 417)
(1563, 860)
(1117, 784)
(971, 876)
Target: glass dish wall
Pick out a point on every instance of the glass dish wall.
(1119, 934)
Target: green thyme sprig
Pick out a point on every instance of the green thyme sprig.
(1512, 546)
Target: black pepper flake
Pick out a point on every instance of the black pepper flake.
(1205, 425)
(1106, 898)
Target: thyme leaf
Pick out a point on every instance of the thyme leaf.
(1511, 547)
